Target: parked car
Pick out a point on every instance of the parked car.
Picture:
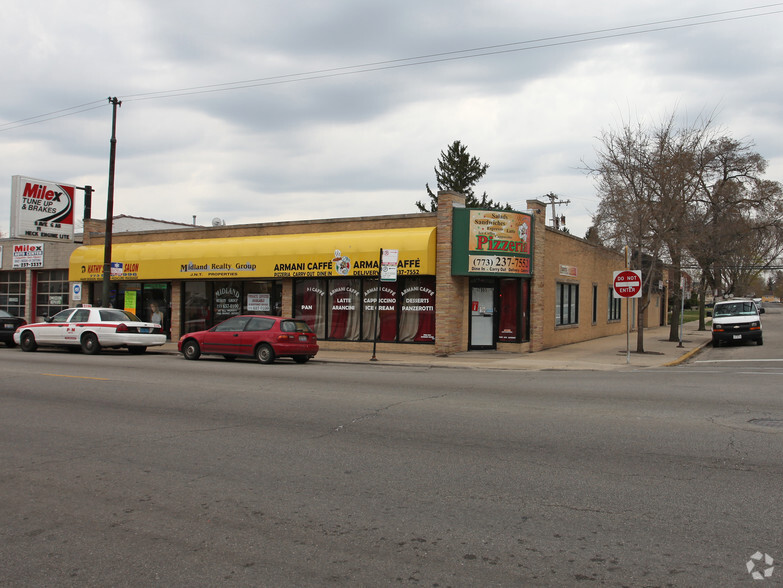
(8, 324)
(91, 329)
(736, 320)
(263, 337)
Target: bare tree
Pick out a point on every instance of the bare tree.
(736, 222)
(676, 193)
(646, 180)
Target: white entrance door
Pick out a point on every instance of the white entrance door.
(482, 317)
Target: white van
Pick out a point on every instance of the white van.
(736, 320)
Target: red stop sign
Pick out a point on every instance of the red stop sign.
(628, 283)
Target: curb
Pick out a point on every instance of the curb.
(686, 356)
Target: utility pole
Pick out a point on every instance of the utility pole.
(556, 221)
(110, 205)
(87, 200)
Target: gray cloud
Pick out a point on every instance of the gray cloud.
(350, 143)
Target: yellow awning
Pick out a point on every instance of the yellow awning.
(349, 253)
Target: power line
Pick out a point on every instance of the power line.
(543, 43)
(53, 115)
(462, 54)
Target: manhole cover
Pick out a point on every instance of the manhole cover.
(767, 422)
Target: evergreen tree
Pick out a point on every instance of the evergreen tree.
(459, 171)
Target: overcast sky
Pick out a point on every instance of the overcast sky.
(256, 111)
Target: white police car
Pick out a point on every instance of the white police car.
(91, 329)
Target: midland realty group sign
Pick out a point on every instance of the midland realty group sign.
(41, 210)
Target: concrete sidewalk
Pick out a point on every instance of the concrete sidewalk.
(606, 353)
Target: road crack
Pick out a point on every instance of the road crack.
(375, 413)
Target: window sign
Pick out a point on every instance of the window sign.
(344, 305)
(259, 302)
(130, 301)
(387, 308)
(417, 310)
(310, 304)
(228, 302)
(27, 256)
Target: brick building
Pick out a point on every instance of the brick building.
(537, 288)
(34, 280)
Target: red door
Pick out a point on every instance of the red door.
(223, 338)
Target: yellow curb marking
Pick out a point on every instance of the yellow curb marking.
(78, 377)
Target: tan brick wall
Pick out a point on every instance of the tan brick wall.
(593, 266)
(94, 229)
(56, 254)
(539, 279)
(451, 322)
(176, 309)
(288, 297)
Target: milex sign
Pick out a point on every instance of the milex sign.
(41, 209)
(491, 243)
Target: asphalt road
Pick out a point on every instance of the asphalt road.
(122, 470)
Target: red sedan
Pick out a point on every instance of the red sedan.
(263, 337)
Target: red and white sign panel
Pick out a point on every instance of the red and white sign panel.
(28, 256)
(41, 209)
(389, 259)
(628, 284)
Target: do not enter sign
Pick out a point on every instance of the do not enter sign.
(628, 284)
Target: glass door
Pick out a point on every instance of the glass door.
(482, 316)
(156, 305)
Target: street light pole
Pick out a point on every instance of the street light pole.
(109, 206)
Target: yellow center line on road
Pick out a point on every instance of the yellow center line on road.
(79, 377)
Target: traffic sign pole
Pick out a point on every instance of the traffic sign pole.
(627, 331)
(377, 307)
(628, 284)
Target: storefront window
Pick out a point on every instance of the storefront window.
(344, 308)
(52, 292)
(344, 304)
(227, 300)
(207, 303)
(12, 292)
(156, 308)
(129, 297)
(417, 313)
(310, 304)
(197, 315)
(508, 319)
(513, 312)
(263, 297)
(387, 311)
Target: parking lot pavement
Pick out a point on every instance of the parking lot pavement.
(606, 353)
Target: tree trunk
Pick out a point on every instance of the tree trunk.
(639, 326)
(702, 304)
(676, 292)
